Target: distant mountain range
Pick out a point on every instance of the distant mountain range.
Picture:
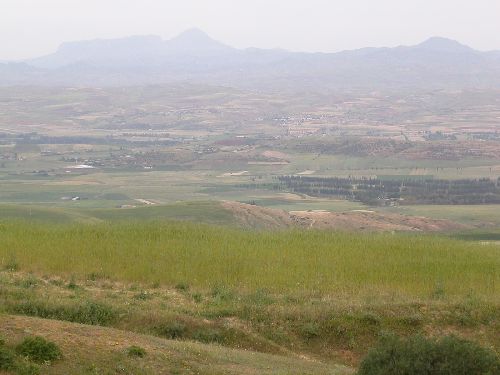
(194, 56)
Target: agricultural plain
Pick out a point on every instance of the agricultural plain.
(236, 232)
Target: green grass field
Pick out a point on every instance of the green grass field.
(324, 297)
(287, 261)
(209, 212)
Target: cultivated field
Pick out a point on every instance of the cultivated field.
(320, 296)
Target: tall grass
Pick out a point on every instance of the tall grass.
(205, 256)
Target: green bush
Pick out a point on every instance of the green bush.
(209, 335)
(12, 264)
(93, 313)
(260, 297)
(94, 276)
(421, 356)
(136, 351)
(143, 296)
(197, 297)
(29, 282)
(310, 330)
(72, 284)
(89, 312)
(182, 287)
(39, 350)
(7, 359)
(173, 330)
(222, 294)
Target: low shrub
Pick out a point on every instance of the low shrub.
(222, 294)
(94, 313)
(95, 276)
(39, 349)
(172, 330)
(369, 319)
(12, 264)
(136, 351)
(310, 330)
(197, 297)
(208, 335)
(7, 358)
(421, 356)
(182, 287)
(438, 292)
(89, 312)
(143, 296)
(72, 284)
(260, 297)
(29, 282)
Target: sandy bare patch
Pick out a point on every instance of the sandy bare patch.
(290, 196)
(306, 172)
(275, 155)
(72, 183)
(365, 220)
(146, 202)
(358, 220)
(231, 174)
(254, 216)
(81, 166)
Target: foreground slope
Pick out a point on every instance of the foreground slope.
(293, 293)
(305, 325)
(92, 350)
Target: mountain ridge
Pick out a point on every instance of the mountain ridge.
(195, 38)
(194, 56)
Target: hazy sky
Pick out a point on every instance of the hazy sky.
(31, 28)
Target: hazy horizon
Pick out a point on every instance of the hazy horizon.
(30, 29)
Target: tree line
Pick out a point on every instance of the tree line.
(375, 191)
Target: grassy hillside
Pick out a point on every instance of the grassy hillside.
(326, 329)
(95, 350)
(204, 256)
(320, 295)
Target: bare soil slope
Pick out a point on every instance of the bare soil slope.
(248, 215)
(254, 216)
